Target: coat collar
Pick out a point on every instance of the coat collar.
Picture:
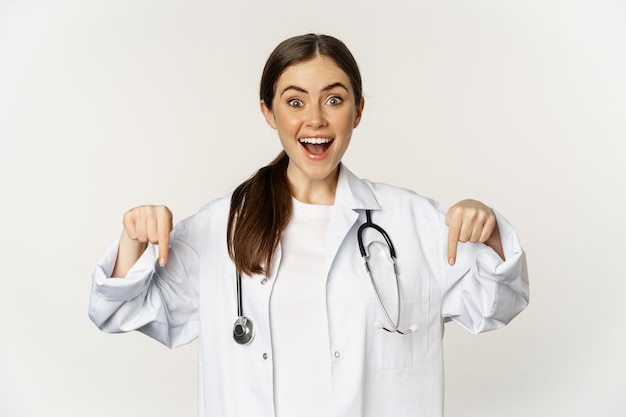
(354, 193)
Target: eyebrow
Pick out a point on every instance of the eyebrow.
(302, 90)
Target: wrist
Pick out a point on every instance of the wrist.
(127, 244)
(495, 242)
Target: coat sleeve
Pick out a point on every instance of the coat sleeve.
(482, 292)
(159, 302)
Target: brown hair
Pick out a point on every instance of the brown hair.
(260, 208)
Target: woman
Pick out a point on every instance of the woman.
(331, 337)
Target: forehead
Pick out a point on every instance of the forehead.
(318, 72)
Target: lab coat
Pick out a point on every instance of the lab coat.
(374, 373)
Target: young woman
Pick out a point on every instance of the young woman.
(331, 336)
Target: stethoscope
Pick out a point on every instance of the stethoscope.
(243, 329)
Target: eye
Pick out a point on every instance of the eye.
(334, 101)
(295, 103)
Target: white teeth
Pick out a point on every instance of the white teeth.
(315, 141)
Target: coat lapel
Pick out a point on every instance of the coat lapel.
(353, 196)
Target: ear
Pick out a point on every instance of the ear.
(268, 114)
(359, 113)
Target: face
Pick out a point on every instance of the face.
(314, 112)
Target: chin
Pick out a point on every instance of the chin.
(321, 173)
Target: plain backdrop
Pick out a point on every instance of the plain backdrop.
(105, 105)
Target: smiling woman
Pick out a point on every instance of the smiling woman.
(294, 231)
(314, 104)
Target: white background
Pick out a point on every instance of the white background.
(108, 104)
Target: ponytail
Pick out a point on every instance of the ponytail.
(260, 209)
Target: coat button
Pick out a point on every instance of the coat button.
(265, 356)
(263, 281)
(337, 354)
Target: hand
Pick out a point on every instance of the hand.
(150, 224)
(471, 221)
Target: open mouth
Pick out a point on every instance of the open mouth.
(316, 146)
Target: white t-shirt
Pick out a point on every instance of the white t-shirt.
(300, 343)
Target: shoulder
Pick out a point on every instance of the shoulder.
(216, 208)
(401, 201)
(211, 215)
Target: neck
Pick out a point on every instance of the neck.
(314, 191)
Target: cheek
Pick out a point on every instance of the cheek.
(287, 124)
(345, 123)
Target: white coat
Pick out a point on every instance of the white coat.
(374, 373)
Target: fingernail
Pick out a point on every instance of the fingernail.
(451, 261)
(161, 262)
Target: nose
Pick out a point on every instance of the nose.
(315, 117)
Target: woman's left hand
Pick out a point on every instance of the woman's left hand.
(472, 221)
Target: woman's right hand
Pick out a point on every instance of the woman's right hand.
(143, 224)
(152, 224)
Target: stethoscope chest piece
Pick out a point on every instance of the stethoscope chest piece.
(243, 330)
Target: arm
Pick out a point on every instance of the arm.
(486, 285)
(158, 301)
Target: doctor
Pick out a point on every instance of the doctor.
(330, 337)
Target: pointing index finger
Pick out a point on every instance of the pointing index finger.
(164, 229)
(454, 231)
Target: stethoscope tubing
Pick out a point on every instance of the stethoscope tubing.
(392, 253)
(243, 330)
(239, 300)
(369, 223)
